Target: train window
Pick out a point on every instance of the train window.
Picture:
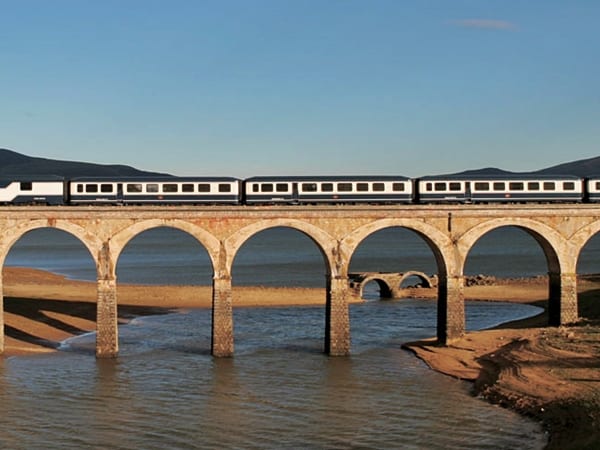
(133, 188)
(309, 187)
(569, 186)
(344, 187)
(482, 186)
(439, 186)
(396, 187)
(107, 188)
(266, 187)
(499, 186)
(26, 186)
(549, 186)
(454, 186)
(379, 187)
(91, 188)
(533, 186)
(429, 186)
(80, 188)
(224, 187)
(516, 186)
(152, 187)
(281, 187)
(205, 187)
(187, 187)
(327, 187)
(170, 187)
(362, 187)
(597, 185)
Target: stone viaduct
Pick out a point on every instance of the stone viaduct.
(450, 231)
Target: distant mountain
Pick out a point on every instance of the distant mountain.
(13, 163)
(580, 168)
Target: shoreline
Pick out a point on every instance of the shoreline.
(550, 374)
(547, 373)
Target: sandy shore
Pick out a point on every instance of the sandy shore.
(551, 374)
(548, 373)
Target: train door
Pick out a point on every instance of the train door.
(295, 196)
(468, 198)
(119, 192)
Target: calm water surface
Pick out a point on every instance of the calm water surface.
(279, 391)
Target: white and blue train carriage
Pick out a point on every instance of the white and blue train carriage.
(328, 189)
(500, 189)
(153, 190)
(28, 190)
(593, 188)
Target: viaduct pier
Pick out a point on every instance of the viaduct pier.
(449, 230)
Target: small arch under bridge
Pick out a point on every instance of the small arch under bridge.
(390, 283)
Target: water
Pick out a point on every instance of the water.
(279, 391)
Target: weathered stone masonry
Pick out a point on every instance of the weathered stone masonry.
(450, 231)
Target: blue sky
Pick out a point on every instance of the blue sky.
(243, 87)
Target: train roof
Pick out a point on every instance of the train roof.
(525, 176)
(297, 178)
(148, 179)
(8, 179)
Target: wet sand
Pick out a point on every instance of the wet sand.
(548, 373)
(551, 374)
(41, 309)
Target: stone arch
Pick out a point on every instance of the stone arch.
(385, 288)
(120, 240)
(13, 234)
(440, 244)
(451, 314)
(581, 237)
(425, 279)
(324, 242)
(337, 331)
(562, 279)
(551, 242)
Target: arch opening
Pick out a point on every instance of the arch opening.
(588, 280)
(394, 252)
(375, 289)
(508, 263)
(161, 268)
(283, 267)
(48, 289)
(164, 256)
(414, 280)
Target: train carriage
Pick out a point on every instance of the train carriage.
(503, 189)
(27, 190)
(593, 189)
(167, 190)
(328, 189)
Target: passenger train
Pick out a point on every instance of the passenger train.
(298, 190)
